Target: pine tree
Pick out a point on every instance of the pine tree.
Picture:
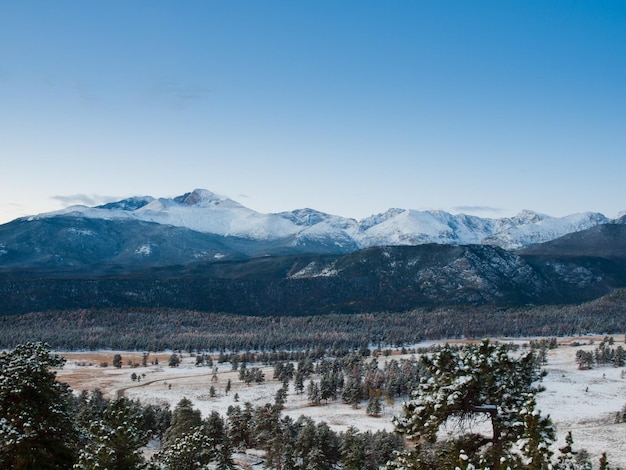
(238, 427)
(353, 391)
(115, 440)
(352, 450)
(117, 361)
(36, 421)
(198, 447)
(373, 405)
(477, 381)
(281, 396)
(174, 360)
(299, 382)
(90, 408)
(184, 419)
(305, 440)
(313, 393)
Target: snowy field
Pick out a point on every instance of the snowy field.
(583, 401)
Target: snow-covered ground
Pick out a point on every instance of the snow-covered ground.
(583, 401)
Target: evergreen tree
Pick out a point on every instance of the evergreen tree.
(584, 359)
(477, 381)
(281, 396)
(352, 450)
(240, 425)
(619, 358)
(191, 451)
(198, 448)
(352, 391)
(299, 382)
(114, 441)
(157, 419)
(327, 440)
(216, 429)
(316, 460)
(305, 440)
(36, 420)
(90, 407)
(313, 393)
(184, 419)
(117, 361)
(327, 387)
(373, 405)
(174, 360)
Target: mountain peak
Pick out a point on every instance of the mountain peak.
(530, 217)
(130, 204)
(199, 197)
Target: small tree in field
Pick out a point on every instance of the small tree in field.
(174, 360)
(117, 361)
(460, 388)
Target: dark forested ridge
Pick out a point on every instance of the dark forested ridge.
(159, 329)
(396, 278)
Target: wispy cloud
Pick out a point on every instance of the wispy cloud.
(477, 209)
(83, 93)
(84, 199)
(178, 96)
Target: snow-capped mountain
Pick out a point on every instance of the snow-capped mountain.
(206, 252)
(206, 212)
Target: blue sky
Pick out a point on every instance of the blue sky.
(349, 107)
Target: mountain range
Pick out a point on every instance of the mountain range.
(210, 253)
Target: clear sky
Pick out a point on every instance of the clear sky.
(348, 107)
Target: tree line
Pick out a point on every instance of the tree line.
(158, 329)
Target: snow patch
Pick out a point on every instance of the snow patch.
(145, 250)
(312, 270)
(81, 231)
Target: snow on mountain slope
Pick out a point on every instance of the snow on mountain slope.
(530, 228)
(204, 211)
(200, 210)
(410, 227)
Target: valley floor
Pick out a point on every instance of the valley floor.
(583, 401)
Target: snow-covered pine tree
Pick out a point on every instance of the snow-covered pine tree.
(184, 419)
(114, 441)
(36, 422)
(352, 450)
(479, 382)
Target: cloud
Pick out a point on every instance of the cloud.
(84, 199)
(83, 93)
(477, 209)
(178, 97)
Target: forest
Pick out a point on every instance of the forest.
(158, 329)
(45, 425)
